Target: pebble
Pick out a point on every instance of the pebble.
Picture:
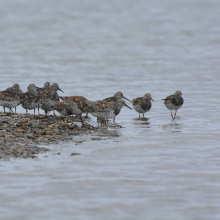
(72, 154)
(19, 134)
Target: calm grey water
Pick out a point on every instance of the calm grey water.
(148, 169)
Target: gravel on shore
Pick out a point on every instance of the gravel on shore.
(21, 133)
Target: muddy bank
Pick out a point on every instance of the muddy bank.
(21, 134)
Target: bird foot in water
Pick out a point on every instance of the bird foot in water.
(88, 126)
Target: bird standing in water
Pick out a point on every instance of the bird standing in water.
(174, 102)
(142, 104)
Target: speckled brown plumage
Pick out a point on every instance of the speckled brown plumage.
(50, 99)
(30, 100)
(105, 111)
(118, 95)
(142, 104)
(10, 98)
(174, 102)
(44, 90)
(145, 106)
(79, 100)
(68, 108)
(110, 99)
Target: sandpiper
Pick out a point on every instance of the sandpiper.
(50, 99)
(106, 111)
(42, 91)
(81, 102)
(10, 98)
(142, 104)
(117, 96)
(30, 99)
(174, 102)
(15, 88)
(68, 108)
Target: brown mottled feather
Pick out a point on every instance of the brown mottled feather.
(143, 104)
(61, 104)
(135, 101)
(79, 100)
(110, 99)
(7, 93)
(172, 99)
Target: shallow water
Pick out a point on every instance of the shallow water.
(149, 168)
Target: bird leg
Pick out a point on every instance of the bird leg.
(174, 114)
(11, 110)
(143, 115)
(15, 110)
(83, 122)
(106, 124)
(81, 119)
(4, 108)
(114, 119)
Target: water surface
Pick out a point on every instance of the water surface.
(149, 168)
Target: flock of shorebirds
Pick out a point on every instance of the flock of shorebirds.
(48, 99)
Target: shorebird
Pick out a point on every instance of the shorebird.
(11, 97)
(81, 102)
(117, 96)
(142, 104)
(30, 99)
(50, 99)
(106, 111)
(42, 91)
(68, 108)
(174, 102)
(45, 89)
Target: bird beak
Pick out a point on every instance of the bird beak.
(61, 90)
(128, 106)
(38, 87)
(126, 99)
(151, 99)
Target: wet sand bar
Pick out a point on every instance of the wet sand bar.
(21, 134)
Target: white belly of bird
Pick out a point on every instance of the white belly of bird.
(10, 104)
(171, 107)
(48, 104)
(139, 109)
(31, 106)
(104, 115)
(63, 112)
